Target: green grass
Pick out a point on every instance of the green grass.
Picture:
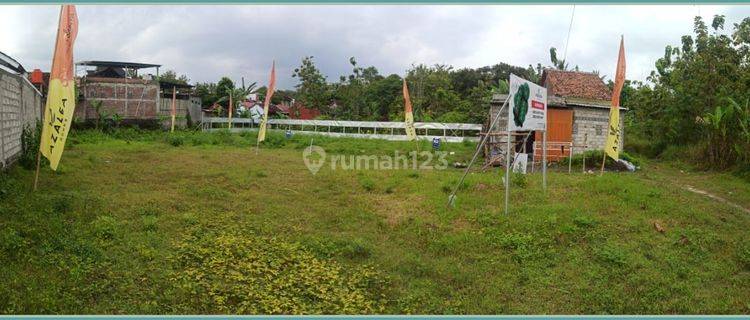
(146, 223)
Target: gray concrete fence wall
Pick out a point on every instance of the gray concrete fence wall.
(183, 107)
(20, 105)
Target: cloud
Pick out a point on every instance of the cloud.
(208, 42)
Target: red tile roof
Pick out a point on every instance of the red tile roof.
(575, 84)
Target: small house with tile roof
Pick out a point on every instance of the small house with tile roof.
(577, 115)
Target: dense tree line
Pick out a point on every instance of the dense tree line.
(438, 92)
(697, 96)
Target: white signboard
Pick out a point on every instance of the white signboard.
(521, 163)
(528, 106)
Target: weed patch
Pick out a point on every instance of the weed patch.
(247, 274)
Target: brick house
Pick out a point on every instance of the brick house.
(142, 100)
(577, 116)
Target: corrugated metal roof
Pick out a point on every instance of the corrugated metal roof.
(117, 64)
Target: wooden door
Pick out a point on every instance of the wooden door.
(559, 134)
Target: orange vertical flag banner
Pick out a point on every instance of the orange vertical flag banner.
(614, 134)
(267, 103)
(61, 99)
(411, 132)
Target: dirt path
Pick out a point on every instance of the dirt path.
(715, 197)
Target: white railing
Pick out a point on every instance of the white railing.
(450, 132)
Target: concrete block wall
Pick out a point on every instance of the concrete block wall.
(129, 98)
(182, 108)
(20, 105)
(590, 127)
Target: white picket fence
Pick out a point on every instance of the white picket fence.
(449, 132)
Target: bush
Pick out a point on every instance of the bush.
(10, 241)
(743, 171)
(518, 180)
(743, 255)
(30, 137)
(367, 183)
(644, 147)
(238, 273)
(176, 140)
(104, 227)
(611, 255)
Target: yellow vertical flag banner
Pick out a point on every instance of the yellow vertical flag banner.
(614, 134)
(61, 99)
(411, 133)
(266, 103)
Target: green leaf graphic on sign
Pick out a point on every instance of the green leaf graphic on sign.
(521, 104)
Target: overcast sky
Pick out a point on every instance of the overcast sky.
(207, 42)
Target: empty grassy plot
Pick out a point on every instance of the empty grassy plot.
(147, 222)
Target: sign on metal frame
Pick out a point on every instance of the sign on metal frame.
(527, 111)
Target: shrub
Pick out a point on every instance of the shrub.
(10, 241)
(149, 223)
(367, 183)
(584, 221)
(238, 273)
(612, 255)
(175, 140)
(743, 171)
(630, 158)
(104, 227)
(274, 140)
(743, 254)
(519, 180)
(355, 250)
(30, 145)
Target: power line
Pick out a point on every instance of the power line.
(570, 27)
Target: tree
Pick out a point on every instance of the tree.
(693, 89)
(352, 94)
(171, 77)
(557, 64)
(432, 91)
(224, 87)
(312, 89)
(206, 92)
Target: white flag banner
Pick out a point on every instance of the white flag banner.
(521, 163)
(528, 105)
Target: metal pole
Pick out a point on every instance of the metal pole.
(544, 159)
(507, 170)
(479, 148)
(585, 141)
(570, 159)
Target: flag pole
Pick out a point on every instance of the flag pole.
(174, 97)
(231, 111)
(38, 160)
(263, 127)
(44, 114)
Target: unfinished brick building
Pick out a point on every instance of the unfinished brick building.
(114, 89)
